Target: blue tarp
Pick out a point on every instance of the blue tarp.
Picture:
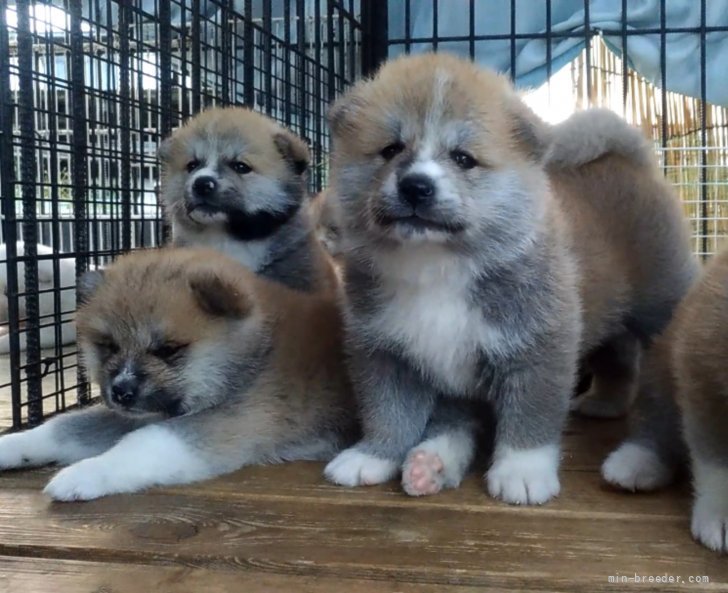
(493, 17)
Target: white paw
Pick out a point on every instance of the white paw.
(26, 449)
(710, 521)
(525, 477)
(354, 468)
(635, 467)
(422, 473)
(85, 480)
(11, 451)
(710, 510)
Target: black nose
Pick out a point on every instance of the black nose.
(204, 186)
(124, 391)
(416, 190)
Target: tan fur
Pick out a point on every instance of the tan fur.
(300, 393)
(326, 223)
(699, 335)
(264, 134)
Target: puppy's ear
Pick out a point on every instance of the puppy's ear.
(293, 150)
(88, 284)
(218, 296)
(164, 152)
(530, 133)
(343, 112)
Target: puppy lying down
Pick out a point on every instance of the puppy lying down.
(203, 368)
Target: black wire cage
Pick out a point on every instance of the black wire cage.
(88, 88)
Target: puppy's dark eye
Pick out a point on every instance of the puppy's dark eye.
(107, 347)
(168, 350)
(463, 160)
(192, 165)
(391, 151)
(240, 167)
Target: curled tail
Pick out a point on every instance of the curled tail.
(590, 134)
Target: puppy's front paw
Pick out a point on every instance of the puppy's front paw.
(353, 467)
(635, 467)
(85, 480)
(527, 476)
(710, 521)
(710, 510)
(422, 473)
(24, 449)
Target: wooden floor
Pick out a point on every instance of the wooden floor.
(283, 528)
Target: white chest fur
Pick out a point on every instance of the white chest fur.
(429, 311)
(252, 254)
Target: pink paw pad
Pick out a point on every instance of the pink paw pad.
(422, 474)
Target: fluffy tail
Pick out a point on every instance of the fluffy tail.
(590, 134)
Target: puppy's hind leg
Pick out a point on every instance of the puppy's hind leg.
(615, 368)
(65, 439)
(654, 451)
(441, 460)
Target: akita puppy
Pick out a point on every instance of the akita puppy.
(204, 367)
(234, 180)
(487, 258)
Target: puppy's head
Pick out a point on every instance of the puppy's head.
(235, 169)
(434, 149)
(169, 332)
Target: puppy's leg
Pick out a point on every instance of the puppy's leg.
(67, 438)
(531, 408)
(705, 409)
(395, 405)
(615, 368)
(178, 451)
(443, 458)
(650, 456)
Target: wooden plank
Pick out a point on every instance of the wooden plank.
(28, 575)
(510, 549)
(583, 492)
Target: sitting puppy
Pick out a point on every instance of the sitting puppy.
(46, 298)
(486, 259)
(235, 181)
(203, 367)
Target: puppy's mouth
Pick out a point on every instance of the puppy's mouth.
(202, 213)
(418, 224)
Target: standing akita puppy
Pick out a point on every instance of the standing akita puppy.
(700, 333)
(204, 368)
(484, 260)
(235, 181)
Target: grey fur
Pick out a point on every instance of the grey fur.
(590, 134)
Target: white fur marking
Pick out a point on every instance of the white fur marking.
(354, 468)
(152, 455)
(710, 510)
(635, 467)
(428, 167)
(528, 476)
(428, 311)
(30, 448)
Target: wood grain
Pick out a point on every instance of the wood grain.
(283, 528)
